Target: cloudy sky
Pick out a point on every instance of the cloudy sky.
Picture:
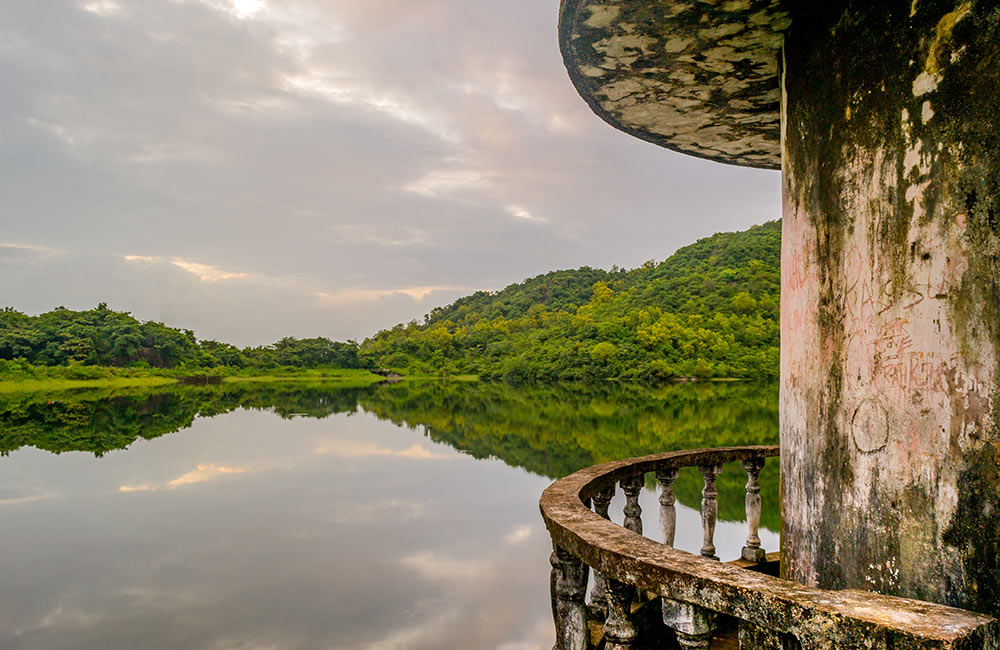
(252, 169)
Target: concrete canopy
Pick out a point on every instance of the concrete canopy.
(697, 76)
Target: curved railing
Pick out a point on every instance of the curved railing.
(697, 594)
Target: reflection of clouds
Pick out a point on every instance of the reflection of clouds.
(519, 535)
(415, 636)
(389, 510)
(437, 567)
(429, 631)
(204, 473)
(327, 546)
(350, 449)
(201, 474)
(538, 637)
(498, 600)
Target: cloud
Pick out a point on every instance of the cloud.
(447, 182)
(247, 8)
(348, 91)
(13, 501)
(31, 248)
(252, 154)
(144, 487)
(522, 213)
(103, 7)
(368, 295)
(207, 272)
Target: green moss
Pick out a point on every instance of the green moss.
(852, 118)
(973, 532)
(968, 89)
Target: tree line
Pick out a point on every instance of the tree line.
(104, 337)
(708, 311)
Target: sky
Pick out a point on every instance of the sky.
(254, 169)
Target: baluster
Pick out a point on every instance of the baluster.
(709, 509)
(619, 630)
(598, 601)
(694, 625)
(632, 486)
(752, 552)
(633, 511)
(668, 513)
(568, 586)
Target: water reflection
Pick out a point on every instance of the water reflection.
(399, 516)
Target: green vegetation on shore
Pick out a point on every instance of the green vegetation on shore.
(21, 376)
(708, 311)
(102, 337)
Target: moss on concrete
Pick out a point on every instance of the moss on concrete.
(899, 134)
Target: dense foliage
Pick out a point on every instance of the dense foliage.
(710, 310)
(103, 337)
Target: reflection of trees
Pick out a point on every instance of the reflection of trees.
(101, 421)
(556, 430)
(547, 430)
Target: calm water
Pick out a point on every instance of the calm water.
(306, 516)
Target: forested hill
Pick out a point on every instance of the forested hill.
(709, 310)
(558, 290)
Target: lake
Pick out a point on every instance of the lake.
(307, 516)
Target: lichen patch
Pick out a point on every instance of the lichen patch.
(602, 16)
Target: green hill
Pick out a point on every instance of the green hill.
(709, 310)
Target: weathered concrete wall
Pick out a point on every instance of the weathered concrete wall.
(891, 299)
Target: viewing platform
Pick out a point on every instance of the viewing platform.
(647, 594)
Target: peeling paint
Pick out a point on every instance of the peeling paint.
(602, 16)
(925, 82)
(704, 65)
(890, 302)
(926, 112)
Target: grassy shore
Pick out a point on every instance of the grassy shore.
(62, 378)
(347, 377)
(52, 384)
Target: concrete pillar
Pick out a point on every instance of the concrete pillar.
(890, 325)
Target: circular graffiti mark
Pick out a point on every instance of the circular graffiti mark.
(870, 427)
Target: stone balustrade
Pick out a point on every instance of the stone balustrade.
(698, 597)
